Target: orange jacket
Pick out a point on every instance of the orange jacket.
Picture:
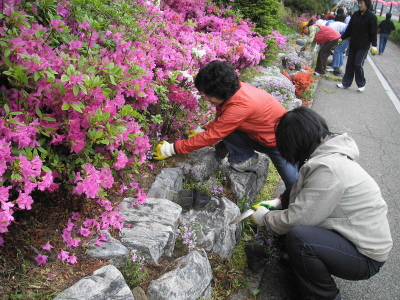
(251, 110)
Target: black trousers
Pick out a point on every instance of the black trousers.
(323, 55)
(316, 253)
(354, 67)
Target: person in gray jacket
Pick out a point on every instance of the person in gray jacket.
(336, 221)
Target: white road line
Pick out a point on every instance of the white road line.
(385, 85)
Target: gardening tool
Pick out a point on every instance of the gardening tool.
(270, 204)
(243, 216)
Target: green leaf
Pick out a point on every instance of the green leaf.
(46, 169)
(6, 108)
(38, 112)
(65, 106)
(76, 90)
(83, 89)
(77, 107)
(49, 119)
(64, 78)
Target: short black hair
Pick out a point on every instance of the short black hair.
(388, 16)
(218, 79)
(367, 3)
(298, 133)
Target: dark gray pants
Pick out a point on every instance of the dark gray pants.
(316, 254)
(323, 55)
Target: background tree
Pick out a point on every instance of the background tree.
(309, 6)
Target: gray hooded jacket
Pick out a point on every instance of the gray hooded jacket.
(334, 192)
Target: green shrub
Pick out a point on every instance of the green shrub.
(263, 13)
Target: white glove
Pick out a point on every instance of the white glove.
(258, 216)
(374, 50)
(274, 204)
(164, 150)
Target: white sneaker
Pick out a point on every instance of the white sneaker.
(360, 89)
(341, 86)
(317, 74)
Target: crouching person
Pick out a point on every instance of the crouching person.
(336, 221)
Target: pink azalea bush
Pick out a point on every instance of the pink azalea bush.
(84, 97)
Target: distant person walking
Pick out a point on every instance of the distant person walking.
(385, 28)
(324, 35)
(362, 31)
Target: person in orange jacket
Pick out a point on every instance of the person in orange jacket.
(245, 122)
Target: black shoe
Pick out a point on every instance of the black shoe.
(338, 73)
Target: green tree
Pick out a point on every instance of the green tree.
(309, 6)
(263, 13)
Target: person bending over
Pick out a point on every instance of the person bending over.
(323, 35)
(336, 221)
(245, 120)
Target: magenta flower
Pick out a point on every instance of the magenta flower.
(41, 259)
(47, 246)
(72, 259)
(63, 255)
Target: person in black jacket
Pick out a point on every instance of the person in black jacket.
(362, 31)
(385, 28)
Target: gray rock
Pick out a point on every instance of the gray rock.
(247, 184)
(212, 228)
(150, 227)
(112, 250)
(167, 184)
(187, 278)
(106, 283)
(201, 164)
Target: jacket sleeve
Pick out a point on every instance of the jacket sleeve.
(232, 117)
(318, 197)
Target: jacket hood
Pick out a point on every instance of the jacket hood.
(342, 144)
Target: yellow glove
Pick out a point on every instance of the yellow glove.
(374, 50)
(340, 41)
(163, 150)
(192, 132)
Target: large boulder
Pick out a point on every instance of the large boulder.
(214, 234)
(106, 283)
(151, 227)
(187, 278)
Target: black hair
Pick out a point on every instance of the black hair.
(298, 133)
(218, 79)
(310, 22)
(367, 3)
(339, 11)
(388, 16)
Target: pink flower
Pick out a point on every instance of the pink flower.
(72, 259)
(75, 216)
(52, 275)
(24, 201)
(1, 242)
(98, 242)
(41, 259)
(84, 231)
(47, 246)
(63, 255)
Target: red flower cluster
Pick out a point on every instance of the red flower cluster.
(302, 82)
